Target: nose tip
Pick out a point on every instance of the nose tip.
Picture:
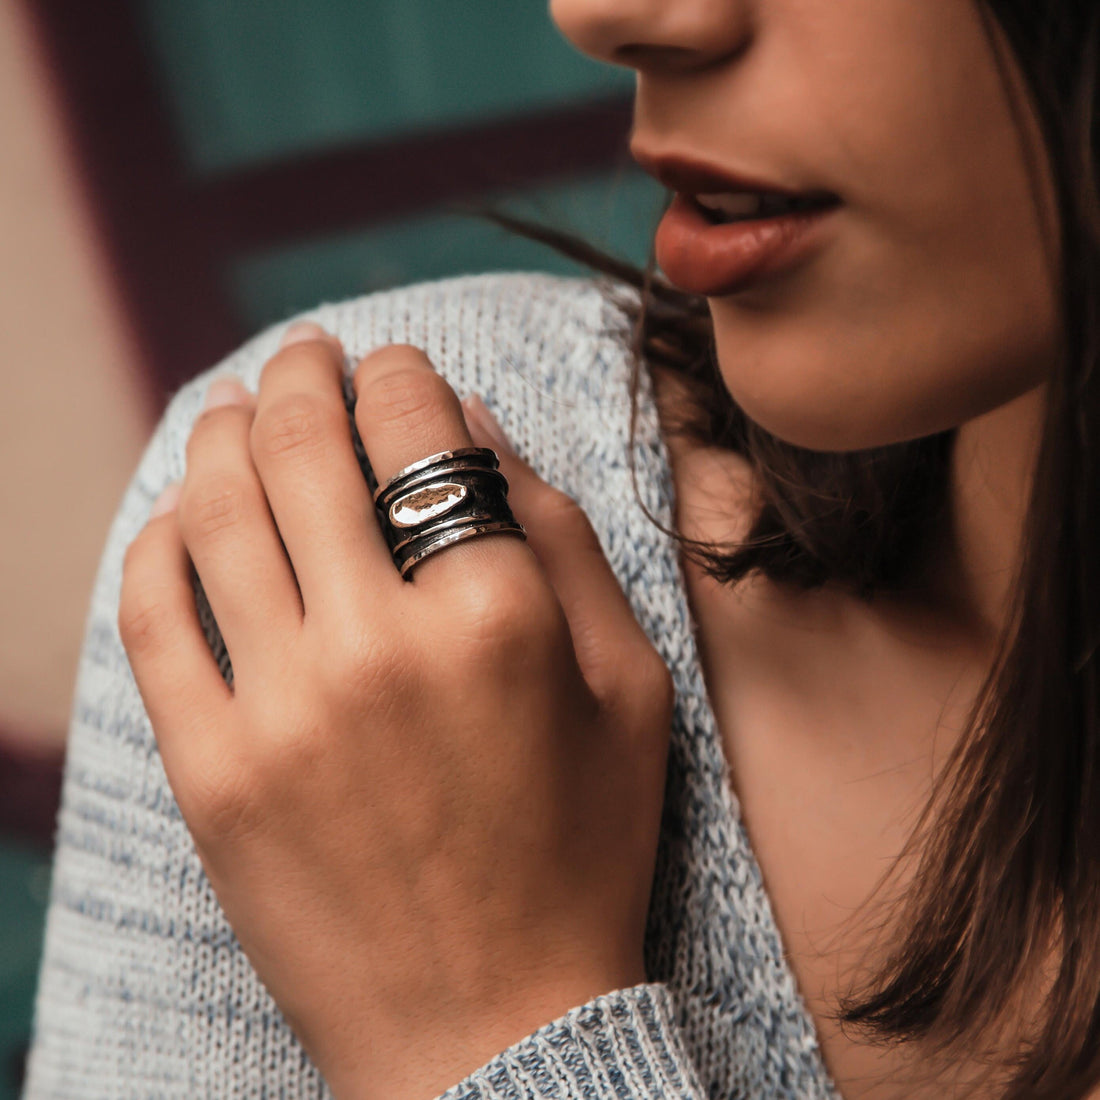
(654, 35)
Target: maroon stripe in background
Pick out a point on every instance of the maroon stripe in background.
(274, 204)
(165, 263)
(30, 791)
(170, 238)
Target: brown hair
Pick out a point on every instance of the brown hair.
(1009, 841)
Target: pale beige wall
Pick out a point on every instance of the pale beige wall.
(73, 410)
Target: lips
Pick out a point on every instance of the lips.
(689, 176)
(706, 254)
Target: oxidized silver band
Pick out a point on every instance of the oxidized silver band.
(443, 499)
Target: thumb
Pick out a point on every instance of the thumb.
(607, 638)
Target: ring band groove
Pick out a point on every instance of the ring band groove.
(460, 535)
(481, 509)
(447, 525)
(428, 469)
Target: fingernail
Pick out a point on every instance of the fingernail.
(307, 330)
(166, 501)
(225, 391)
(487, 422)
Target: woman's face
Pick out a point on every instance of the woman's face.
(929, 295)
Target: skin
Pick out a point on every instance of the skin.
(933, 303)
(409, 804)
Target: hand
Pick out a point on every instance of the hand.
(429, 808)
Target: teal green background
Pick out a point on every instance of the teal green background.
(24, 883)
(607, 211)
(256, 81)
(252, 80)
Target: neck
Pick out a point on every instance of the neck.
(992, 467)
(969, 582)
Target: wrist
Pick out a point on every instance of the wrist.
(419, 1061)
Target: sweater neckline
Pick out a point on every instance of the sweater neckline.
(706, 772)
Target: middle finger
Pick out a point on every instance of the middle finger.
(407, 411)
(302, 447)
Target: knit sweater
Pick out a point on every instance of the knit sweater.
(144, 989)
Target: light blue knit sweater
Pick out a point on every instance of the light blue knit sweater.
(144, 990)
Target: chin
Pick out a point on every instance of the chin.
(815, 428)
(836, 388)
(816, 402)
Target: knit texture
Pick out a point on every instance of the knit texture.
(144, 989)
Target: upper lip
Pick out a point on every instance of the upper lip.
(692, 176)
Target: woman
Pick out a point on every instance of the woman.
(810, 813)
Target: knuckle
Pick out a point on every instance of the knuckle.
(387, 358)
(144, 620)
(212, 422)
(363, 662)
(221, 799)
(405, 393)
(557, 504)
(288, 751)
(352, 658)
(507, 616)
(560, 513)
(294, 424)
(651, 690)
(558, 509)
(216, 503)
(312, 356)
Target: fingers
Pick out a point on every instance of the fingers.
(609, 642)
(228, 530)
(176, 674)
(406, 411)
(302, 447)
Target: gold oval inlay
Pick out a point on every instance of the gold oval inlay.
(427, 503)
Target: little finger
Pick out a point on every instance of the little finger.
(176, 674)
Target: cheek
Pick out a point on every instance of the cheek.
(936, 298)
(878, 343)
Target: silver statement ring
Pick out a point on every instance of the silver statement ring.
(443, 499)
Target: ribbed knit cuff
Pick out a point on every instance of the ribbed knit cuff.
(623, 1044)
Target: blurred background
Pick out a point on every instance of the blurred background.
(175, 175)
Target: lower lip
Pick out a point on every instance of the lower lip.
(715, 260)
